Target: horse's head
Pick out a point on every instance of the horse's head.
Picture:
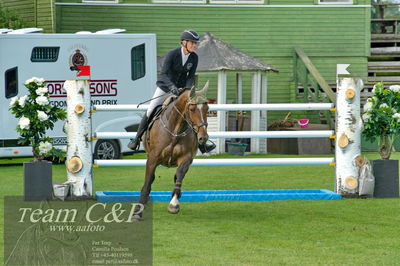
(197, 109)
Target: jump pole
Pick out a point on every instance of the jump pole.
(230, 107)
(234, 134)
(225, 162)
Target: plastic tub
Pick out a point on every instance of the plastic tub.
(303, 123)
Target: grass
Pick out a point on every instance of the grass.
(346, 232)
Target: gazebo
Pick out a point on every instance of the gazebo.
(216, 56)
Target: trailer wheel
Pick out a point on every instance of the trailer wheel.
(107, 150)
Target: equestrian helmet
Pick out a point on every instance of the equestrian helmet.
(190, 35)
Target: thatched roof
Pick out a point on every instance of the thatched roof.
(215, 55)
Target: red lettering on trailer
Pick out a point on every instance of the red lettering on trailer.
(98, 88)
(55, 88)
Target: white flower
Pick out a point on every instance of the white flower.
(395, 88)
(394, 110)
(41, 91)
(383, 105)
(22, 100)
(45, 147)
(366, 117)
(38, 81)
(42, 100)
(42, 116)
(396, 115)
(24, 123)
(368, 106)
(14, 100)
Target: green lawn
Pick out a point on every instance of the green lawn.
(346, 232)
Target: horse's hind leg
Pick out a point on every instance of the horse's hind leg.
(183, 167)
(148, 181)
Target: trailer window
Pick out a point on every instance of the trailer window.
(11, 79)
(138, 62)
(45, 54)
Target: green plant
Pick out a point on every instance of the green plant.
(381, 117)
(36, 115)
(11, 20)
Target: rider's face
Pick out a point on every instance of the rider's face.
(190, 46)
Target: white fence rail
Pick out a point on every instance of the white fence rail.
(222, 162)
(234, 134)
(230, 107)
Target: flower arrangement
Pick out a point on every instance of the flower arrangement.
(36, 115)
(381, 117)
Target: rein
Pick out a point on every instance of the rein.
(190, 123)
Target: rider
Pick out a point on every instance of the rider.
(178, 71)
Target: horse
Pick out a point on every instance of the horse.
(173, 139)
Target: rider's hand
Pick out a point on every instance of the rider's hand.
(175, 90)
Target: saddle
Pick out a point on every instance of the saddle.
(159, 109)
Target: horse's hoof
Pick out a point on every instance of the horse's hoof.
(136, 218)
(173, 209)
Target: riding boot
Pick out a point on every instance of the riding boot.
(207, 147)
(134, 144)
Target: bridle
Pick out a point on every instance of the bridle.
(187, 120)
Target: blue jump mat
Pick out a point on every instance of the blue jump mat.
(222, 195)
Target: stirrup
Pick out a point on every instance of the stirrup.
(134, 144)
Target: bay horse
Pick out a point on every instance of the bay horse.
(173, 139)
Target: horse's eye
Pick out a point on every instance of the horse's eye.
(192, 109)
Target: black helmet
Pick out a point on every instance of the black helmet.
(190, 35)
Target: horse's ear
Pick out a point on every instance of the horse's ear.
(204, 90)
(192, 93)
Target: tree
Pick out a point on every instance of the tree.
(10, 19)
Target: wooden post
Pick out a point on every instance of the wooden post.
(348, 135)
(264, 120)
(221, 115)
(239, 84)
(79, 138)
(255, 115)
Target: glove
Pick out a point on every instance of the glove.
(175, 90)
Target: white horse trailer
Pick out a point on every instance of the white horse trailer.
(123, 71)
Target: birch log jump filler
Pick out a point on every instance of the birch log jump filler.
(348, 137)
(79, 138)
(348, 131)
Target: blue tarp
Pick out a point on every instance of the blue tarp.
(222, 195)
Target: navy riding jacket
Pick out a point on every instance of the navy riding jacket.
(174, 74)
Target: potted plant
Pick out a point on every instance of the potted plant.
(35, 115)
(381, 119)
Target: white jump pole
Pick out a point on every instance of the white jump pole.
(79, 130)
(348, 135)
(234, 134)
(230, 107)
(225, 162)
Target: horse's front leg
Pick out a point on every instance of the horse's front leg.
(151, 166)
(183, 167)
